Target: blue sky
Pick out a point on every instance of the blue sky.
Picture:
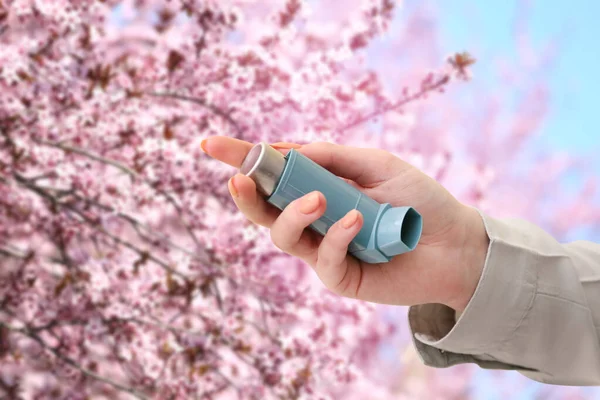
(575, 80)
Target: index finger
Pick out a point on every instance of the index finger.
(233, 151)
(225, 149)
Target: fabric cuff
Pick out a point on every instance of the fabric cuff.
(502, 299)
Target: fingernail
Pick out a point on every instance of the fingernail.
(232, 189)
(203, 145)
(282, 145)
(310, 203)
(350, 219)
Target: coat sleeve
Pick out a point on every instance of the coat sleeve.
(536, 310)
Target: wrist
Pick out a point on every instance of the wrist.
(473, 250)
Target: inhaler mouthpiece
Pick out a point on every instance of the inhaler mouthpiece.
(387, 231)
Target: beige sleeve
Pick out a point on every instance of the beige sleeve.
(536, 310)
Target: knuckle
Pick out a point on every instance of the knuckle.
(261, 220)
(323, 260)
(277, 240)
(257, 219)
(335, 239)
(391, 164)
(342, 287)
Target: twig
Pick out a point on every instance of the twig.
(139, 225)
(131, 173)
(216, 110)
(23, 181)
(228, 383)
(264, 317)
(73, 363)
(90, 155)
(401, 103)
(202, 44)
(127, 244)
(135, 223)
(141, 253)
(56, 323)
(13, 252)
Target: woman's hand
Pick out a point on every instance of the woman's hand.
(444, 268)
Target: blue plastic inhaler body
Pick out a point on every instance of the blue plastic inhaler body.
(387, 231)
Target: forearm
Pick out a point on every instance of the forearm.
(535, 308)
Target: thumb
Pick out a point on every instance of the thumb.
(364, 166)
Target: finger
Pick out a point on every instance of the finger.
(228, 150)
(366, 167)
(339, 272)
(233, 151)
(288, 231)
(373, 165)
(250, 203)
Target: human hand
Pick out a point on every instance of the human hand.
(444, 268)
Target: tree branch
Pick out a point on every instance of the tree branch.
(24, 182)
(44, 193)
(399, 104)
(138, 225)
(32, 335)
(131, 173)
(214, 109)
(13, 252)
(90, 155)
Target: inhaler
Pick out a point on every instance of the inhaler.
(387, 231)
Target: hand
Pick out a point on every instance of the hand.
(444, 268)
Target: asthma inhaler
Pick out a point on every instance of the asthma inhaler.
(387, 231)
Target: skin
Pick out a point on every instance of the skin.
(444, 268)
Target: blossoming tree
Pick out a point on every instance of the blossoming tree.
(126, 272)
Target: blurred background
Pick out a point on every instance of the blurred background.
(521, 137)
